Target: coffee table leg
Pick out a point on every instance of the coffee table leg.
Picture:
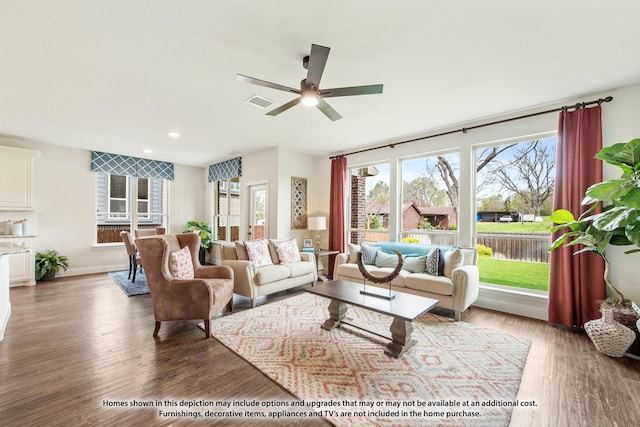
(337, 312)
(401, 331)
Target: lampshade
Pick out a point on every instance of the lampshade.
(317, 223)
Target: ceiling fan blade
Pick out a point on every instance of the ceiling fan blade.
(350, 91)
(328, 110)
(247, 79)
(284, 107)
(317, 60)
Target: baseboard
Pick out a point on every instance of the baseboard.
(515, 301)
(5, 322)
(92, 270)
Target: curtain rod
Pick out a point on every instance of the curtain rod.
(465, 129)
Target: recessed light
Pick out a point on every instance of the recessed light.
(147, 151)
(173, 134)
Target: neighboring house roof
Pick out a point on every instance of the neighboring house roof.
(383, 209)
(436, 210)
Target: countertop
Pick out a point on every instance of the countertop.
(9, 250)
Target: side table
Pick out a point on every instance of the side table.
(319, 265)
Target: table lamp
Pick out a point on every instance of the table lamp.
(317, 223)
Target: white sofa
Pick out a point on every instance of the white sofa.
(456, 288)
(253, 282)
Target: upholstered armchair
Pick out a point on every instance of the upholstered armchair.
(200, 297)
(132, 253)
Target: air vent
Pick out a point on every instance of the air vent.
(259, 101)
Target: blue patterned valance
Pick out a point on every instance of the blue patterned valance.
(225, 170)
(130, 166)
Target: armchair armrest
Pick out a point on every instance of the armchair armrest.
(466, 281)
(341, 258)
(213, 272)
(244, 273)
(308, 256)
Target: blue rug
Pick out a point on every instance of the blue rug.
(140, 287)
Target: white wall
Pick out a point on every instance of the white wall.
(620, 124)
(65, 202)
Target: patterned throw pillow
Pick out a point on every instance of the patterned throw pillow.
(368, 254)
(432, 261)
(181, 264)
(258, 252)
(287, 250)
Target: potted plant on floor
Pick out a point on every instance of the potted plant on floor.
(206, 236)
(617, 224)
(49, 263)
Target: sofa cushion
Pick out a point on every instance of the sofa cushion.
(432, 262)
(452, 260)
(368, 254)
(440, 285)
(181, 264)
(414, 264)
(241, 251)
(386, 260)
(397, 281)
(258, 251)
(287, 250)
(272, 273)
(301, 268)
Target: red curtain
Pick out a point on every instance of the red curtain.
(576, 282)
(336, 210)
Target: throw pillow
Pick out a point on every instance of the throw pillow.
(368, 254)
(258, 252)
(432, 260)
(452, 260)
(287, 250)
(181, 264)
(353, 250)
(415, 264)
(241, 251)
(386, 260)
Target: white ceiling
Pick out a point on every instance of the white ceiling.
(116, 76)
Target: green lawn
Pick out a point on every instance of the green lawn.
(519, 274)
(515, 227)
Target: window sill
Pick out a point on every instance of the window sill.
(522, 302)
(107, 245)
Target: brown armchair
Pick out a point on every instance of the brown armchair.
(176, 299)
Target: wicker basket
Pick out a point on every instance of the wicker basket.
(609, 337)
(629, 318)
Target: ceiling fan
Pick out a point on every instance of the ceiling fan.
(310, 92)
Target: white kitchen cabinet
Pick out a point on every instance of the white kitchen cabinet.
(21, 264)
(16, 178)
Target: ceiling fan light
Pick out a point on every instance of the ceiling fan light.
(309, 98)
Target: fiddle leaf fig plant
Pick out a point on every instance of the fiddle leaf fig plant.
(618, 223)
(204, 229)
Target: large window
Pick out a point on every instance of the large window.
(430, 198)
(369, 204)
(514, 192)
(117, 209)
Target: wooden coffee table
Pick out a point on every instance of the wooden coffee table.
(404, 308)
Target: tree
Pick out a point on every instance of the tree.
(377, 198)
(529, 174)
(493, 203)
(423, 191)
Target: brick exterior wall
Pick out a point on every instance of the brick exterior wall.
(358, 199)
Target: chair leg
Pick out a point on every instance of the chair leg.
(130, 267)
(135, 269)
(157, 329)
(207, 328)
(230, 305)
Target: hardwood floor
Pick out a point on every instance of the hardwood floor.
(76, 342)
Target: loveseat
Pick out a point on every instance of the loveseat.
(263, 267)
(446, 273)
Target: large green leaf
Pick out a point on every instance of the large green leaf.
(614, 218)
(608, 154)
(562, 216)
(631, 198)
(610, 190)
(632, 232)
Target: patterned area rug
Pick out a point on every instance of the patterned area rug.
(140, 287)
(456, 375)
